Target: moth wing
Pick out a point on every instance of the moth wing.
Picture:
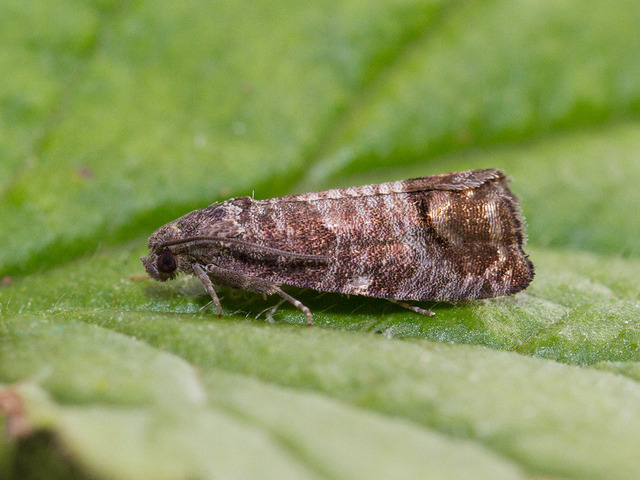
(468, 179)
(223, 220)
(457, 181)
(227, 228)
(444, 237)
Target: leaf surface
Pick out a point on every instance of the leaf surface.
(116, 117)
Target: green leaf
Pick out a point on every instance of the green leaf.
(116, 117)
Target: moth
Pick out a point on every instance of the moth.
(449, 237)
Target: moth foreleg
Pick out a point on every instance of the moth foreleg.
(208, 286)
(235, 279)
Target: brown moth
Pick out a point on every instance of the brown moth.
(455, 236)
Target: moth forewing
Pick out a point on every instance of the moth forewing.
(456, 236)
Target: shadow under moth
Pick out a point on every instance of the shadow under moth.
(455, 236)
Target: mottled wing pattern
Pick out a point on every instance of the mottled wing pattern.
(444, 237)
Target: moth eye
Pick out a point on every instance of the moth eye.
(167, 262)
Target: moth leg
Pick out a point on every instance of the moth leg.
(208, 286)
(419, 310)
(270, 311)
(296, 303)
(234, 279)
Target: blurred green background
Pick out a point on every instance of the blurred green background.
(118, 116)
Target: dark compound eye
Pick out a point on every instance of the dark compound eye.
(167, 262)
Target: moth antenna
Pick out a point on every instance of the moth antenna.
(259, 248)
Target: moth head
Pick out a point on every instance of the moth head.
(161, 265)
(164, 261)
